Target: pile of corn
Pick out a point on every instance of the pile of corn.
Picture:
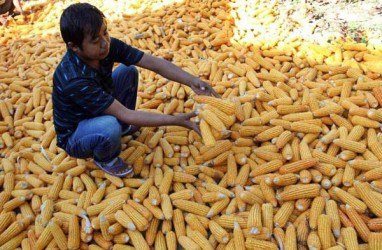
(289, 158)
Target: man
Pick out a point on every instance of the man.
(7, 8)
(93, 106)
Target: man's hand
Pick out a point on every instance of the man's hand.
(184, 121)
(203, 88)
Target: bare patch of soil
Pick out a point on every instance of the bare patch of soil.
(355, 20)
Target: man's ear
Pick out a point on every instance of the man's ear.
(73, 47)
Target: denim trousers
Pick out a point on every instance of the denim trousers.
(100, 137)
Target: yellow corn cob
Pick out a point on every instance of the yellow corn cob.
(268, 192)
(254, 223)
(317, 207)
(220, 234)
(212, 197)
(376, 149)
(314, 240)
(288, 109)
(57, 186)
(349, 236)
(217, 207)
(285, 179)
(14, 242)
(374, 224)
(141, 193)
(227, 120)
(329, 108)
(171, 241)
(197, 237)
(179, 224)
(236, 69)
(365, 192)
(166, 182)
(347, 198)
(160, 242)
(231, 170)
(299, 192)
(377, 92)
(359, 224)
(350, 145)
(42, 162)
(188, 243)
(298, 166)
(152, 231)
(340, 121)
(213, 121)
(58, 235)
(221, 146)
(365, 122)
(124, 219)
(139, 151)
(207, 135)
(266, 168)
(74, 233)
(303, 127)
(138, 240)
(166, 206)
(374, 115)
(374, 241)
(140, 209)
(167, 149)
(323, 157)
(372, 174)
(269, 134)
(44, 239)
(223, 105)
(251, 75)
(282, 215)
(290, 237)
(252, 243)
(324, 231)
(137, 218)
(195, 224)
(238, 237)
(178, 140)
(369, 85)
(364, 165)
(192, 207)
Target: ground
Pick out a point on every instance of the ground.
(354, 19)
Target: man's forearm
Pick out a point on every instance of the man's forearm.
(167, 69)
(139, 118)
(147, 119)
(175, 73)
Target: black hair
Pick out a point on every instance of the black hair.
(78, 20)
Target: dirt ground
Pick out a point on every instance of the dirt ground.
(358, 20)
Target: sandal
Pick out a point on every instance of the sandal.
(117, 168)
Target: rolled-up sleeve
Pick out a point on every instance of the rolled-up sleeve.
(124, 53)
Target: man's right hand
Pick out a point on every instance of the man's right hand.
(185, 121)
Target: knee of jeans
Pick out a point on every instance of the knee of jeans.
(111, 128)
(134, 71)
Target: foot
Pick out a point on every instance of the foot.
(116, 167)
(131, 129)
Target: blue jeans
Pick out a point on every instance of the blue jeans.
(100, 137)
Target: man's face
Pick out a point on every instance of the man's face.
(95, 48)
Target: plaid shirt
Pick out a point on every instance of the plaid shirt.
(81, 92)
